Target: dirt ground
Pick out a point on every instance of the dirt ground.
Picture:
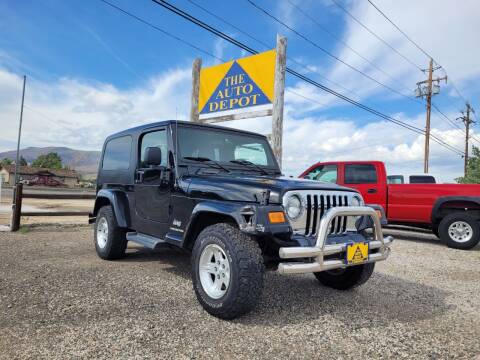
(59, 300)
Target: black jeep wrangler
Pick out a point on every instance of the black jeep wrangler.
(219, 193)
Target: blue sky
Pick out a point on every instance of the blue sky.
(92, 70)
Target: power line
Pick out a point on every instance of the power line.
(392, 48)
(313, 43)
(416, 45)
(375, 35)
(291, 71)
(302, 36)
(195, 47)
(266, 46)
(229, 23)
(161, 30)
(445, 117)
(224, 36)
(403, 33)
(325, 29)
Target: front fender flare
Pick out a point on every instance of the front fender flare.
(249, 217)
(119, 202)
(235, 211)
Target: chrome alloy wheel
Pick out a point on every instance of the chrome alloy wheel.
(214, 271)
(460, 231)
(102, 233)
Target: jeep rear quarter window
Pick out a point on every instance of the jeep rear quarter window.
(117, 154)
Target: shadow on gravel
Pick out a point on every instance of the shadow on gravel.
(179, 260)
(421, 236)
(383, 300)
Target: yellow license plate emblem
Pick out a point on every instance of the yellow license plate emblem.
(357, 253)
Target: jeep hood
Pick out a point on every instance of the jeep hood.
(249, 188)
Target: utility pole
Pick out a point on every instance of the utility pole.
(17, 161)
(467, 121)
(17, 192)
(427, 89)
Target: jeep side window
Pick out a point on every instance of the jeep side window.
(117, 154)
(360, 174)
(324, 173)
(154, 139)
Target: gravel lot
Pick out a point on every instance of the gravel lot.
(59, 300)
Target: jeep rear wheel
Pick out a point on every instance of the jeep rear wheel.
(459, 231)
(227, 270)
(348, 278)
(110, 240)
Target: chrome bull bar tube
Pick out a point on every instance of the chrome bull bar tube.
(321, 249)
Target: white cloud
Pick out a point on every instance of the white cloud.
(446, 29)
(80, 114)
(308, 140)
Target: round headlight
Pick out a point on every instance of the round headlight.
(356, 201)
(293, 207)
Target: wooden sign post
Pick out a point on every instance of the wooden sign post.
(279, 92)
(224, 92)
(197, 66)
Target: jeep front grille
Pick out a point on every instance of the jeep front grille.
(315, 204)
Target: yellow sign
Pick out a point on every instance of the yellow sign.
(357, 253)
(237, 84)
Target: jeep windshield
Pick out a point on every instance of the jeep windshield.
(228, 148)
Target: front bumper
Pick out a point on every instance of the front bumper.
(317, 254)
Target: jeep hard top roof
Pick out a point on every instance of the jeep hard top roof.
(141, 128)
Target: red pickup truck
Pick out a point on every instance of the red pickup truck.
(452, 211)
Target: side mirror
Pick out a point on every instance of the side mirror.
(153, 156)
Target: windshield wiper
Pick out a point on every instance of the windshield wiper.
(206, 161)
(250, 165)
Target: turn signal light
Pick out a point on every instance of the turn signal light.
(276, 217)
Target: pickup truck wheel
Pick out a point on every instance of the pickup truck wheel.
(459, 231)
(227, 270)
(110, 240)
(348, 278)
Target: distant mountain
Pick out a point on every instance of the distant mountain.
(85, 162)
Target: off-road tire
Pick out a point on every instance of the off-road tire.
(348, 278)
(246, 271)
(450, 219)
(116, 239)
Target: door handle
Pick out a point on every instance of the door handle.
(372, 191)
(139, 176)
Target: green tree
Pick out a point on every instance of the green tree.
(22, 161)
(6, 161)
(473, 169)
(51, 161)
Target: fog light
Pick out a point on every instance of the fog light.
(276, 217)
